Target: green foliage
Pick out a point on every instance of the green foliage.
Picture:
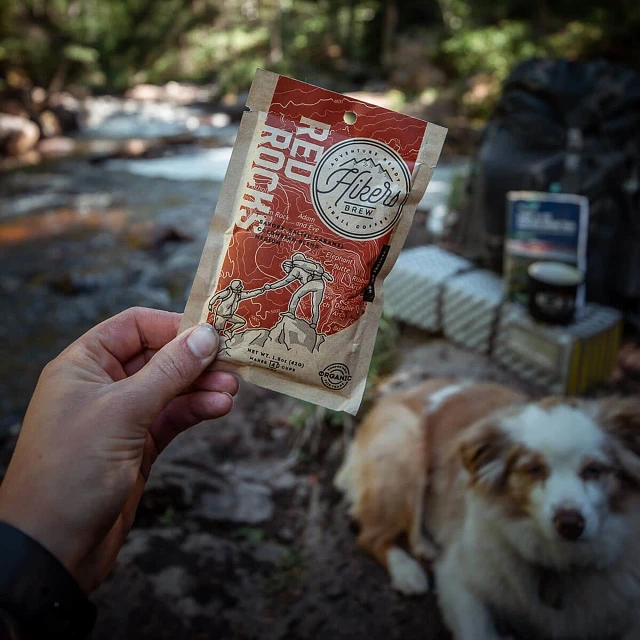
(575, 40)
(253, 535)
(287, 575)
(384, 353)
(61, 41)
(168, 518)
(110, 44)
(305, 414)
(493, 49)
(458, 195)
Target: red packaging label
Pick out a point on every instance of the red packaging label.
(340, 221)
(315, 206)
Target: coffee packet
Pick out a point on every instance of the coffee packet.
(315, 206)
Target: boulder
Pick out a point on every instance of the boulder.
(146, 93)
(67, 110)
(50, 124)
(236, 501)
(56, 147)
(18, 135)
(292, 332)
(13, 108)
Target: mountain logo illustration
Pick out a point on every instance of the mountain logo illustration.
(369, 164)
(359, 188)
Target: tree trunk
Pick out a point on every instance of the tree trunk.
(389, 27)
(275, 44)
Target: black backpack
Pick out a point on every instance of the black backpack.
(572, 126)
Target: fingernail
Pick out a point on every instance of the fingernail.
(203, 341)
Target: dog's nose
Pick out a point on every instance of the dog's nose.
(569, 523)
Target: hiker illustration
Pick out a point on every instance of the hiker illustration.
(312, 276)
(228, 300)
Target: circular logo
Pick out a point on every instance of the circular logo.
(359, 188)
(335, 376)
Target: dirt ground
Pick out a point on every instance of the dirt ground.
(236, 540)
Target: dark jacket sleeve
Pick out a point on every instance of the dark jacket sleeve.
(9, 628)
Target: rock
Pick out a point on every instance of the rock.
(292, 332)
(269, 553)
(166, 533)
(136, 544)
(149, 235)
(268, 472)
(13, 108)
(10, 284)
(67, 110)
(284, 482)
(135, 148)
(50, 124)
(286, 535)
(177, 92)
(38, 96)
(17, 135)
(207, 546)
(30, 158)
(56, 147)
(172, 582)
(146, 93)
(189, 608)
(220, 120)
(99, 150)
(239, 502)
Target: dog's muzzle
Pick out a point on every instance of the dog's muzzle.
(569, 523)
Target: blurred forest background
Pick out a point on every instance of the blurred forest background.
(458, 50)
(117, 121)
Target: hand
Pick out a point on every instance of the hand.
(101, 413)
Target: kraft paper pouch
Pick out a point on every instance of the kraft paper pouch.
(314, 209)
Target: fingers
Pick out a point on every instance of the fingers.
(127, 334)
(171, 371)
(210, 380)
(217, 381)
(185, 411)
(138, 361)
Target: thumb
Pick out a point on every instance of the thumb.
(173, 369)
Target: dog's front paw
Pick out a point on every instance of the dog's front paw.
(425, 550)
(407, 576)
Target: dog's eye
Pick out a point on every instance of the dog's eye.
(535, 470)
(593, 471)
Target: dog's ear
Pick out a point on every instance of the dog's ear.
(620, 417)
(483, 453)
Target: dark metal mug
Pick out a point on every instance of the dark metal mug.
(553, 291)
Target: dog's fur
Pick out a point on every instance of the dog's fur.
(490, 477)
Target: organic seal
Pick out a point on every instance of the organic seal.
(335, 376)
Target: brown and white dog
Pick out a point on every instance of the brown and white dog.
(531, 509)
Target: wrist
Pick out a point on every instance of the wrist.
(38, 522)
